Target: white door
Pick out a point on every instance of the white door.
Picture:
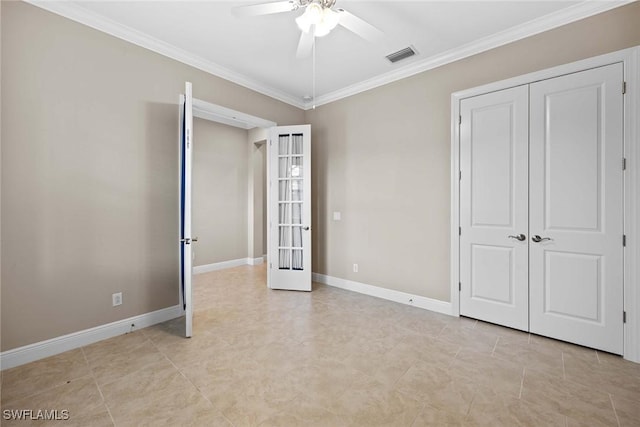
(576, 208)
(186, 254)
(493, 207)
(289, 208)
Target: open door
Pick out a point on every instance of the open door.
(289, 208)
(186, 256)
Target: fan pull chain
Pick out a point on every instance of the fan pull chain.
(314, 73)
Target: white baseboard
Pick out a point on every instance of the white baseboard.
(206, 268)
(255, 261)
(220, 265)
(40, 350)
(388, 294)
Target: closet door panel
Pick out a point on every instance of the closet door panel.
(576, 208)
(493, 207)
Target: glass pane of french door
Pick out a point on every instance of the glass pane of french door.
(290, 200)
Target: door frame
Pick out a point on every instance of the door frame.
(630, 58)
(219, 114)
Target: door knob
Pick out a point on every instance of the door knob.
(520, 237)
(306, 228)
(187, 240)
(539, 239)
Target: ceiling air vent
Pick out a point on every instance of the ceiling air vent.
(401, 54)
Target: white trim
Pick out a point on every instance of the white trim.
(77, 13)
(565, 16)
(384, 293)
(632, 207)
(631, 60)
(40, 350)
(206, 268)
(454, 247)
(544, 23)
(217, 113)
(255, 261)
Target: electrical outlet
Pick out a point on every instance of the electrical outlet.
(116, 299)
(336, 216)
(355, 268)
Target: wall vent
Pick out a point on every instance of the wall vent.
(401, 54)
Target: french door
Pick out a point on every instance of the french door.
(289, 202)
(186, 253)
(541, 208)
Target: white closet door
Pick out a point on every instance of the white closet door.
(493, 207)
(289, 154)
(576, 208)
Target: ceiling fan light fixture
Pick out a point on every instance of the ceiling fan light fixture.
(323, 18)
(330, 20)
(314, 13)
(303, 23)
(312, 16)
(321, 30)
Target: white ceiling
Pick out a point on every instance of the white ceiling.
(260, 52)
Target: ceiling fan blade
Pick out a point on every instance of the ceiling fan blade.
(360, 27)
(264, 8)
(305, 45)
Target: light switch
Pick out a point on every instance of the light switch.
(336, 216)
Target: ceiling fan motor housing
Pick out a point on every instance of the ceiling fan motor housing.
(324, 3)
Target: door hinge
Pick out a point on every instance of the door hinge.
(459, 120)
(270, 265)
(459, 286)
(624, 317)
(624, 164)
(624, 240)
(459, 231)
(460, 176)
(624, 87)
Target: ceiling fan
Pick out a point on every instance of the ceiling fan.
(318, 19)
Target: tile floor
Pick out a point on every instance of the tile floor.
(326, 358)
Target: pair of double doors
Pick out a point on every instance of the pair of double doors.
(541, 207)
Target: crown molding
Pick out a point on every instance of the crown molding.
(544, 23)
(86, 17)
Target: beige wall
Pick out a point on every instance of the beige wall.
(220, 186)
(258, 155)
(90, 173)
(382, 158)
(257, 197)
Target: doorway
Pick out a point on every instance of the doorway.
(228, 203)
(190, 108)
